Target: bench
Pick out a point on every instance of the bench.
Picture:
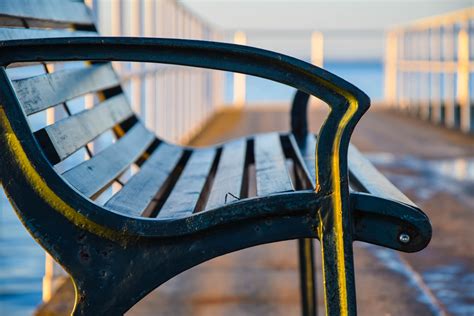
(184, 205)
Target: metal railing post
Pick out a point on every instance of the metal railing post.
(391, 58)
(239, 79)
(463, 76)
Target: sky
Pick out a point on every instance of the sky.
(353, 29)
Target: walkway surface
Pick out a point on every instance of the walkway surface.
(432, 165)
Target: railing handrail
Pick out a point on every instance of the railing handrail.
(435, 21)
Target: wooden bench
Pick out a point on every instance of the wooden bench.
(184, 205)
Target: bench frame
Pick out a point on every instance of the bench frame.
(94, 246)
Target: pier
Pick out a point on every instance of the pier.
(419, 133)
(434, 166)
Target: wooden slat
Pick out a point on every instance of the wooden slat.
(6, 21)
(371, 180)
(94, 174)
(308, 152)
(73, 132)
(7, 34)
(227, 183)
(142, 188)
(271, 171)
(68, 12)
(185, 195)
(41, 92)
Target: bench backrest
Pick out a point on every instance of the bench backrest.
(77, 110)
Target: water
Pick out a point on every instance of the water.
(368, 76)
(21, 265)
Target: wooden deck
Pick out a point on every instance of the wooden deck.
(263, 280)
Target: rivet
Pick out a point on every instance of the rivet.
(404, 238)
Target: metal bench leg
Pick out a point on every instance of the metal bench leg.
(307, 277)
(338, 270)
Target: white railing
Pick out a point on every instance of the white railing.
(255, 37)
(429, 69)
(173, 101)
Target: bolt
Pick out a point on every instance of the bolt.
(404, 238)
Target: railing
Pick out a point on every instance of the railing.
(429, 69)
(174, 102)
(313, 53)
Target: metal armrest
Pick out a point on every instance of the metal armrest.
(347, 102)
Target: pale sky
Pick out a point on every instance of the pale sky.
(353, 29)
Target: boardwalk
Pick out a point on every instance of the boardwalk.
(432, 165)
(421, 159)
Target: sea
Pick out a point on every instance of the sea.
(367, 75)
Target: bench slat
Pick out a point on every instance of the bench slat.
(270, 164)
(73, 132)
(229, 174)
(185, 195)
(308, 152)
(7, 34)
(369, 179)
(94, 174)
(41, 92)
(143, 187)
(50, 10)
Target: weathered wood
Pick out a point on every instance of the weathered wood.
(366, 178)
(41, 92)
(134, 198)
(94, 174)
(307, 148)
(6, 21)
(68, 12)
(185, 195)
(7, 34)
(270, 165)
(227, 184)
(73, 132)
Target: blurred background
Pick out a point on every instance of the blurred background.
(414, 58)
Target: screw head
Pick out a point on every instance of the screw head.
(404, 238)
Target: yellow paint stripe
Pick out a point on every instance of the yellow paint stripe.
(337, 200)
(320, 230)
(44, 191)
(337, 197)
